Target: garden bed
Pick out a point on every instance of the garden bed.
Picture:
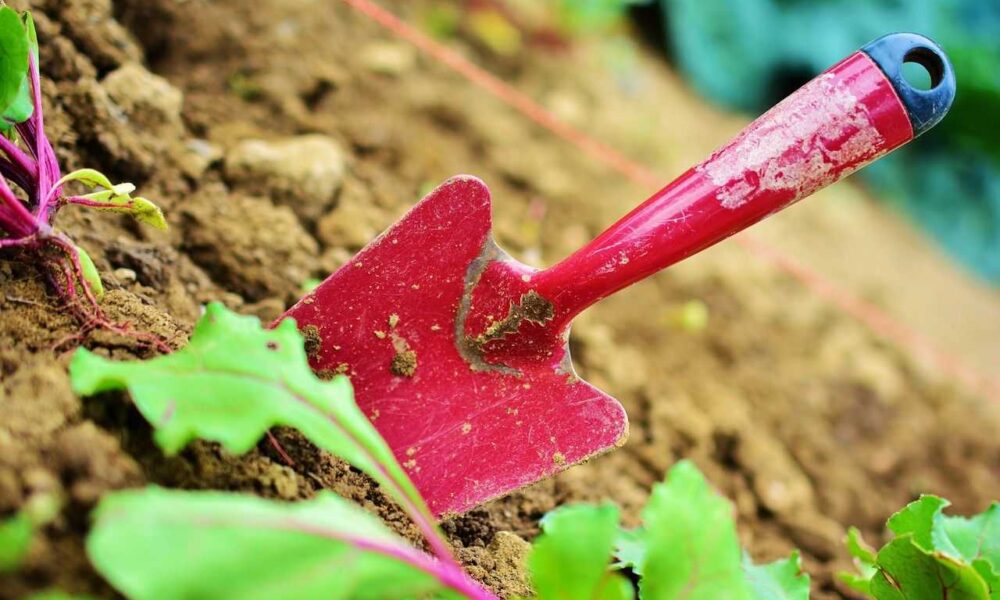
(280, 137)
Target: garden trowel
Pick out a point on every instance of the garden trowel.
(458, 353)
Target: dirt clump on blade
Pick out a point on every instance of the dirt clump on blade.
(805, 419)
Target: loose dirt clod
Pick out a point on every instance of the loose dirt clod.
(532, 307)
(404, 363)
(313, 340)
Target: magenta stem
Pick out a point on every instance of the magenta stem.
(421, 519)
(449, 574)
(17, 157)
(81, 201)
(47, 167)
(15, 243)
(22, 222)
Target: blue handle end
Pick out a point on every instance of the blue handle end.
(925, 107)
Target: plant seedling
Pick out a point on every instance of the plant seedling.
(458, 353)
(235, 380)
(933, 556)
(26, 219)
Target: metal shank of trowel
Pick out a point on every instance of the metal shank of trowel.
(855, 112)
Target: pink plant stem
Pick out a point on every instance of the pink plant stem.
(22, 222)
(20, 242)
(48, 170)
(80, 201)
(18, 159)
(418, 515)
(449, 574)
(74, 258)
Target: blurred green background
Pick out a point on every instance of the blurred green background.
(748, 54)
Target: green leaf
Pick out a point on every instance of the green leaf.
(907, 572)
(779, 580)
(864, 560)
(23, 105)
(990, 577)
(971, 539)
(975, 541)
(29, 28)
(114, 198)
(144, 211)
(91, 178)
(90, 273)
(859, 548)
(56, 595)
(13, 56)
(233, 382)
(917, 519)
(15, 539)
(570, 559)
(630, 550)
(21, 108)
(691, 545)
(157, 543)
(309, 285)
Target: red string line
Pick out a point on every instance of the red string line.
(865, 312)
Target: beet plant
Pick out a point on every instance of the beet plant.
(932, 556)
(33, 189)
(236, 380)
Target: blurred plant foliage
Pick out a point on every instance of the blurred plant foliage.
(750, 53)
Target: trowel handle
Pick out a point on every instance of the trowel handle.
(859, 110)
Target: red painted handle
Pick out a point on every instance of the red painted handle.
(832, 126)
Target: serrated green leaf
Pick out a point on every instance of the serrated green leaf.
(908, 572)
(691, 545)
(975, 538)
(570, 560)
(233, 382)
(859, 548)
(864, 559)
(917, 519)
(630, 550)
(13, 56)
(778, 580)
(858, 583)
(90, 274)
(989, 575)
(15, 539)
(156, 543)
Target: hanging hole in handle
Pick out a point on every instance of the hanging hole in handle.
(925, 104)
(923, 69)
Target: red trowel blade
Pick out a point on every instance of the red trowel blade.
(390, 320)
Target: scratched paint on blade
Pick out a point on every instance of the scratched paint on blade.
(811, 139)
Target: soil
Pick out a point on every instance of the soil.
(796, 412)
